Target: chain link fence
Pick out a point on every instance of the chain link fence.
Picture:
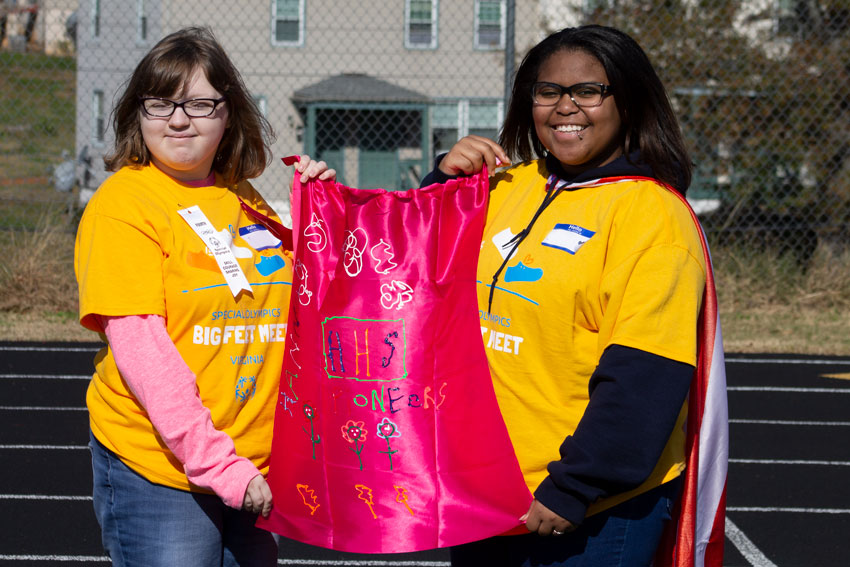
(377, 88)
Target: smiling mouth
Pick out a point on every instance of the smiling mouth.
(569, 128)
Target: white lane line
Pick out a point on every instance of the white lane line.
(363, 563)
(790, 462)
(746, 547)
(47, 376)
(788, 510)
(48, 349)
(736, 461)
(43, 447)
(789, 422)
(322, 562)
(63, 558)
(42, 408)
(785, 361)
(43, 497)
(788, 389)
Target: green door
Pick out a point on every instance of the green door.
(378, 169)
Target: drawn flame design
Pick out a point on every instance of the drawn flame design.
(401, 496)
(395, 294)
(295, 348)
(364, 493)
(353, 248)
(317, 236)
(383, 256)
(300, 275)
(308, 493)
(287, 391)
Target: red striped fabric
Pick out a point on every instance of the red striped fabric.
(700, 532)
(696, 537)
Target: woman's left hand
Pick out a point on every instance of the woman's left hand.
(311, 169)
(258, 497)
(544, 521)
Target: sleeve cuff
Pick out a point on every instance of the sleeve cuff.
(562, 503)
(437, 175)
(234, 482)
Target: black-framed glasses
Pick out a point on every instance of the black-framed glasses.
(582, 94)
(195, 108)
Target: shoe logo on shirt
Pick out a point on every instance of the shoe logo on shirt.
(522, 273)
(519, 272)
(269, 265)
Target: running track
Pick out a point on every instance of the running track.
(789, 474)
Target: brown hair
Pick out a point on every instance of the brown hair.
(243, 152)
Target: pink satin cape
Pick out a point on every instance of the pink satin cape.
(388, 437)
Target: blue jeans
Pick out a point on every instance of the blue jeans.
(626, 535)
(149, 525)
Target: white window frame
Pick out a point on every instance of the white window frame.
(500, 113)
(502, 27)
(141, 22)
(301, 13)
(95, 19)
(463, 105)
(435, 10)
(98, 117)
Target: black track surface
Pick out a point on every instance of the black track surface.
(788, 489)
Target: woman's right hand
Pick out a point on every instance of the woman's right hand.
(258, 497)
(470, 154)
(311, 169)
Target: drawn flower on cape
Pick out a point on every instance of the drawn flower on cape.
(387, 429)
(355, 433)
(309, 411)
(310, 414)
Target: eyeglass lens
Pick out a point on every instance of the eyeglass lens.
(196, 108)
(583, 94)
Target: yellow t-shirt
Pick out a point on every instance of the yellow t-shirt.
(136, 255)
(617, 264)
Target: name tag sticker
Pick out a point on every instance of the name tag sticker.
(567, 237)
(258, 237)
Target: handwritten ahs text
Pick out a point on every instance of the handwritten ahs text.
(372, 350)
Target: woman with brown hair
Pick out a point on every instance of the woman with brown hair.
(190, 295)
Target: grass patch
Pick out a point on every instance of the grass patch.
(29, 216)
(787, 330)
(37, 275)
(767, 303)
(37, 121)
(43, 326)
(747, 281)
